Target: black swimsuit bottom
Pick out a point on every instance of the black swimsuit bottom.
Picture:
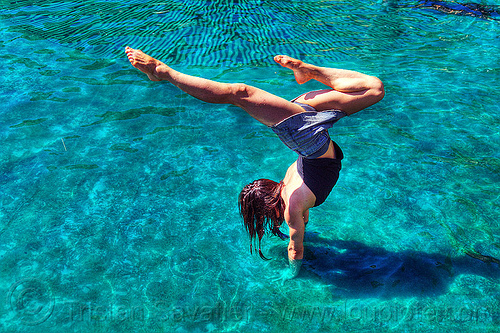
(320, 174)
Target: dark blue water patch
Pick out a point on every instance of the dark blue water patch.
(463, 9)
(356, 270)
(111, 116)
(30, 122)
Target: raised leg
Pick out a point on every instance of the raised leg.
(263, 106)
(350, 91)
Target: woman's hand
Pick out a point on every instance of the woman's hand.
(290, 272)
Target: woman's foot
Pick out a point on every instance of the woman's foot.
(146, 64)
(299, 68)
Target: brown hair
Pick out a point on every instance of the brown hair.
(262, 208)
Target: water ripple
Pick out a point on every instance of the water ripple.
(198, 32)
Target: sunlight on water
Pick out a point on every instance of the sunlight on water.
(119, 196)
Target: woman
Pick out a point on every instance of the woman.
(302, 124)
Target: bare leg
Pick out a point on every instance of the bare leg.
(263, 106)
(351, 91)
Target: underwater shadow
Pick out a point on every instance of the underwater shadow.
(357, 270)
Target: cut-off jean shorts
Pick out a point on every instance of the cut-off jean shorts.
(307, 132)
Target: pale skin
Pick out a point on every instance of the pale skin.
(348, 91)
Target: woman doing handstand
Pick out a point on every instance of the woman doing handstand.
(302, 124)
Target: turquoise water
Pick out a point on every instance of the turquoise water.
(119, 211)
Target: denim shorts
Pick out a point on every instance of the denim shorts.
(307, 132)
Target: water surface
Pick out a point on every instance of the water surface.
(119, 196)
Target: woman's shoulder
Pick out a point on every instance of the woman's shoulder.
(298, 196)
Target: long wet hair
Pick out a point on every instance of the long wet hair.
(262, 208)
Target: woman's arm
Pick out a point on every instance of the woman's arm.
(296, 225)
(296, 216)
